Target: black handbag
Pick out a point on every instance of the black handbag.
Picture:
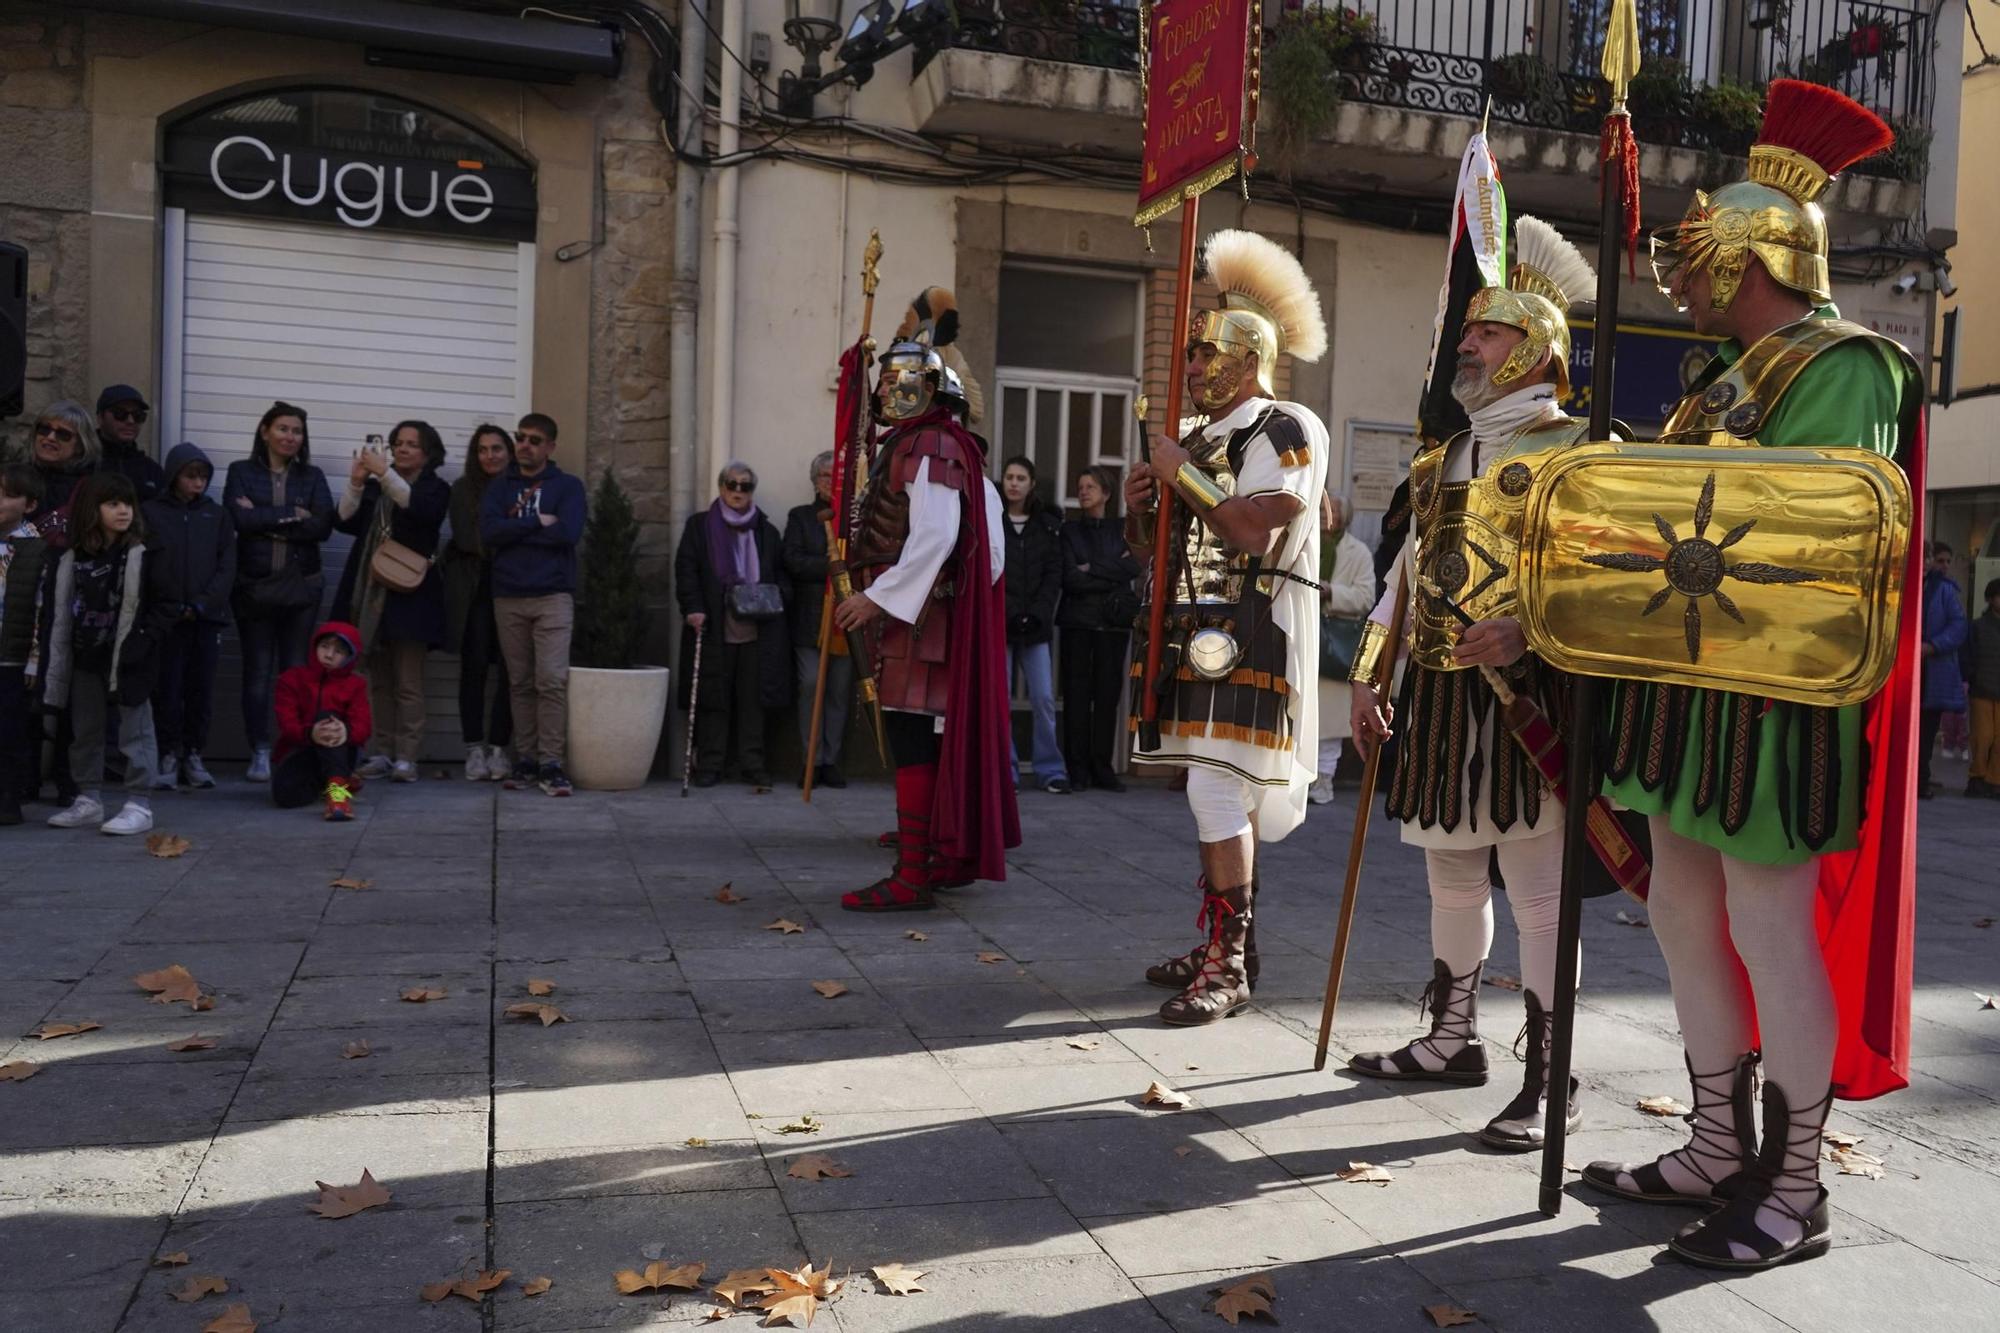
(283, 589)
(1339, 640)
(1120, 609)
(756, 601)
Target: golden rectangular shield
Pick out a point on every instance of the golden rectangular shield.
(1772, 572)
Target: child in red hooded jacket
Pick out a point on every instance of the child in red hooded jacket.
(323, 722)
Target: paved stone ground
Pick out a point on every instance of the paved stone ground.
(987, 1144)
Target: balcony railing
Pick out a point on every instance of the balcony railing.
(1700, 85)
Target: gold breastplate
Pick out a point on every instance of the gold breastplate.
(1215, 570)
(1469, 532)
(1733, 407)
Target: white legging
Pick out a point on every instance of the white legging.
(1462, 905)
(1221, 803)
(1741, 942)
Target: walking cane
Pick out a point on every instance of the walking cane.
(1358, 844)
(694, 699)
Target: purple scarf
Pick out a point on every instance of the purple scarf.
(732, 543)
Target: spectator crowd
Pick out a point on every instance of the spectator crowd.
(119, 575)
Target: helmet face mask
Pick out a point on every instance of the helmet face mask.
(1722, 231)
(1236, 334)
(908, 382)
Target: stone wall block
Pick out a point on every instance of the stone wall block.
(638, 167)
(44, 157)
(42, 89)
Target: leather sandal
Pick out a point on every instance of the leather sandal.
(1453, 1002)
(1722, 1148)
(1179, 973)
(1222, 985)
(1788, 1161)
(1522, 1125)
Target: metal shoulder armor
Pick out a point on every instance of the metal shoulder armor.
(1737, 403)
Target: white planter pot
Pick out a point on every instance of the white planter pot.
(614, 725)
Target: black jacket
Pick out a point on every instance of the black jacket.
(256, 525)
(192, 549)
(136, 465)
(1034, 577)
(1099, 543)
(805, 565)
(1982, 656)
(698, 588)
(23, 598)
(407, 617)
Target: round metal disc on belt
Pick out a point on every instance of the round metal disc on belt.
(1212, 653)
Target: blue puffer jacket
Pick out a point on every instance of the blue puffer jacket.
(1944, 632)
(260, 521)
(192, 545)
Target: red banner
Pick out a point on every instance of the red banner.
(1201, 98)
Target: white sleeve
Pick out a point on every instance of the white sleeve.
(902, 588)
(1352, 588)
(996, 532)
(396, 488)
(349, 502)
(1385, 608)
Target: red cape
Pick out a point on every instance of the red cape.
(1867, 897)
(974, 819)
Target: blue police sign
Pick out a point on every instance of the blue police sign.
(1655, 367)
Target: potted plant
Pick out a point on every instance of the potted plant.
(1729, 114)
(1660, 98)
(1520, 80)
(1298, 90)
(616, 705)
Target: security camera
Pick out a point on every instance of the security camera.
(1945, 286)
(1905, 284)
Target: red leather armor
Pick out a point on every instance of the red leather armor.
(910, 668)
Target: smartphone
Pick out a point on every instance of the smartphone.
(375, 442)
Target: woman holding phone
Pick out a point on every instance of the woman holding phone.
(283, 511)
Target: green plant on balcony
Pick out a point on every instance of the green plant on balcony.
(1300, 92)
(1909, 157)
(1728, 114)
(1661, 99)
(1522, 80)
(1347, 35)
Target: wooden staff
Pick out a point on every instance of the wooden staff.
(846, 492)
(1163, 507)
(1358, 844)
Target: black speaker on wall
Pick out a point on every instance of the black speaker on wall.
(13, 327)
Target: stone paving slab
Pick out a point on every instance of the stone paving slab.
(989, 1111)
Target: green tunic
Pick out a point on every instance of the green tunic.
(1851, 394)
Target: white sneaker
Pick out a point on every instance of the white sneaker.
(497, 763)
(374, 767)
(136, 817)
(194, 773)
(260, 765)
(83, 810)
(1321, 791)
(403, 770)
(166, 779)
(475, 764)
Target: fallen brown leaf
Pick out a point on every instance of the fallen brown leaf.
(474, 1286)
(1988, 1001)
(798, 1295)
(345, 882)
(1080, 1044)
(1183, 1151)
(535, 1286)
(744, 1282)
(1252, 1296)
(355, 1050)
(434, 1292)
(988, 956)
(235, 1319)
(1159, 1094)
(727, 894)
(548, 1013)
(1663, 1106)
(194, 1043)
(174, 1260)
(1854, 1162)
(1364, 1173)
(202, 1003)
(817, 1166)
(1503, 981)
(1450, 1316)
(896, 1279)
(832, 990)
(541, 986)
(194, 1288)
(167, 845)
(696, 1142)
(659, 1276)
(18, 1071)
(50, 1031)
(916, 935)
(347, 1200)
(786, 926)
(805, 1124)
(715, 1314)
(169, 984)
(1839, 1138)
(422, 994)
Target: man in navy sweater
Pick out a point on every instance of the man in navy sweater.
(531, 521)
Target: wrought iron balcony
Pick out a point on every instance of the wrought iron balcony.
(1705, 61)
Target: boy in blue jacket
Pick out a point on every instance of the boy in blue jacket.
(531, 522)
(192, 565)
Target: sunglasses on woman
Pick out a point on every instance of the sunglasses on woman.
(60, 434)
(740, 487)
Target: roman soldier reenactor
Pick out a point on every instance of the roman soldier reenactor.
(1236, 690)
(927, 557)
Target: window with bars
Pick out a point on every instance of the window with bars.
(1067, 374)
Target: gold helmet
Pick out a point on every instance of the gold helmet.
(1268, 306)
(913, 369)
(1549, 276)
(1809, 133)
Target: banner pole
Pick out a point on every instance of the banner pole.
(1163, 508)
